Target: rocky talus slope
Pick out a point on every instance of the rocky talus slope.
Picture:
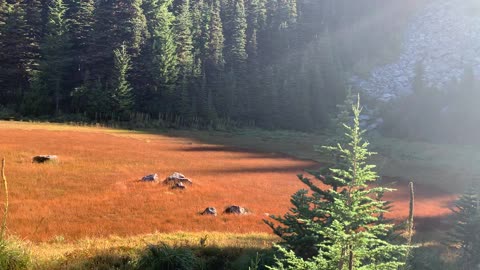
(444, 36)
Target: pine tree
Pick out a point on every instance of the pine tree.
(4, 13)
(14, 55)
(214, 62)
(116, 22)
(183, 39)
(350, 210)
(164, 64)
(199, 18)
(122, 95)
(4, 9)
(466, 232)
(237, 50)
(35, 11)
(81, 21)
(184, 45)
(214, 57)
(55, 54)
(237, 61)
(344, 114)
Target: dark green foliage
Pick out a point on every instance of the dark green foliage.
(55, 58)
(122, 96)
(272, 63)
(80, 31)
(294, 232)
(167, 258)
(116, 22)
(466, 232)
(14, 256)
(184, 43)
(14, 55)
(447, 115)
(344, 219)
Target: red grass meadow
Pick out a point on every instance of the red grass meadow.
(94, 190)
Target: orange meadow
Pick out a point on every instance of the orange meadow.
(94, 190)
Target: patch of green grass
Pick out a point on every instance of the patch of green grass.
(14, 255)
(445, 166)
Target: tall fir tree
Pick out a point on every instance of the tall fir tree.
(466, 231)
(55, 55)
(116, 22)
(4, 13)
(184, 45)
(183, 39)
(213, 64)
(81, 21)
(163, 65)
(122, 93)
(237, 49)
(36, 17)
(238, 60)
(15, 56)
(352, 236)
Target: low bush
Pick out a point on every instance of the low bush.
(14, 256)
(168, 258)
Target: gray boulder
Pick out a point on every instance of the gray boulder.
(45, 159)
(150, 178)
(235, 209)
(179, 185)
(210, 211)
(177, 178)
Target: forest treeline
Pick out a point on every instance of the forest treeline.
(445, 115)
(275, 63)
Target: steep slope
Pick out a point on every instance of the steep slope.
(444, 37)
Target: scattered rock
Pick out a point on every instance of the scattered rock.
(177, 178)
(45, 159)
(235, 209)
(179, 185)
(150, 178)
(211, 211)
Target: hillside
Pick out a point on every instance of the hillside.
(443, 36)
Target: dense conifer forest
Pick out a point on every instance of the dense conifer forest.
(271, 63)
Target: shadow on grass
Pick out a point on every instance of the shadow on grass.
(165, 257)
(429, 224)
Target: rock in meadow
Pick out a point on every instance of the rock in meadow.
(177, 178)
(45, 159)
(150, 178)
(179, 185)
(235, 209)
(210, 211)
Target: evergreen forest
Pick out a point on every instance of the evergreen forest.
(268, 63)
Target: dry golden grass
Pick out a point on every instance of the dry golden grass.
(47, 254)
(94, 190)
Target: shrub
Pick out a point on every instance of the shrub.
(168, 258)
(13, 256)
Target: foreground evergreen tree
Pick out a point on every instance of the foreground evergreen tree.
(466, 232)
(344, 218)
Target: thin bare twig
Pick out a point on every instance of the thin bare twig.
(5, 213)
